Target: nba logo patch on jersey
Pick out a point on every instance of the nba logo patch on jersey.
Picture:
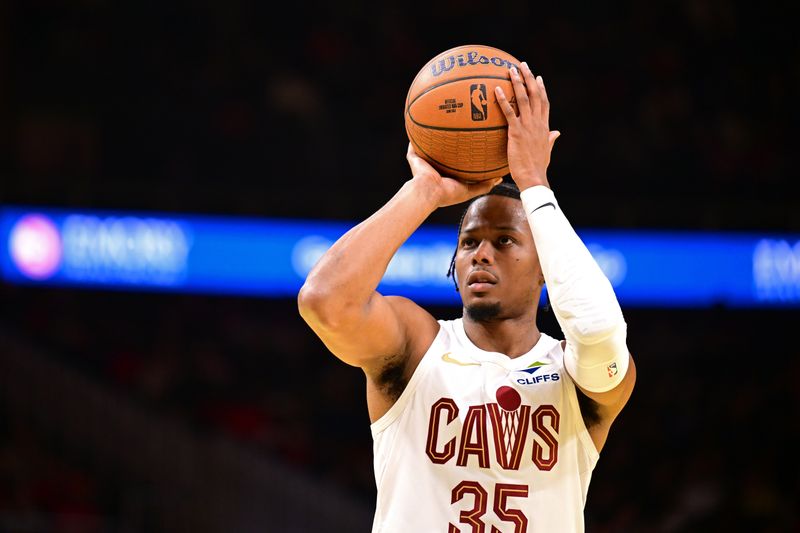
(612, 370)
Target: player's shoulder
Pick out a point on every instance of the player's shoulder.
(407, 306)
(418, 321)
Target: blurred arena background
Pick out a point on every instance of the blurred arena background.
(144, 410)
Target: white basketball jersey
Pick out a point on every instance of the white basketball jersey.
(479, 442)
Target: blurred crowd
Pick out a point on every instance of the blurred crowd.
(707, 442)
(246, 369)
(228, 107)
(43, 490)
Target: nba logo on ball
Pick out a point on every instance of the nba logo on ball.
(477, 97)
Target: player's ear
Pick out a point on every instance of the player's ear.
(540, 280)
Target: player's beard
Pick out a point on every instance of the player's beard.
(483, 312)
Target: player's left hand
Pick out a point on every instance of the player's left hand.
(530, 140)
(444, 191)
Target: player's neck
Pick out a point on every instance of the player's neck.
(510, 336)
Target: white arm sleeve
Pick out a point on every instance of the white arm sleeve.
(582, 298)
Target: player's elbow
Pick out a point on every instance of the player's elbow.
(599, 366)
(321, 307)
(601, 334)
(312, 303)
(592, 321)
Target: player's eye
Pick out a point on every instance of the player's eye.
(467, 242)
(505, 240)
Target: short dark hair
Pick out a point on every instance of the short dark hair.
(505, 188)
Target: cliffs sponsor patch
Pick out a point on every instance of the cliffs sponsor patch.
(540, 378)
(532, 379)
(533, 367)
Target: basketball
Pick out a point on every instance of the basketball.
(452, 116)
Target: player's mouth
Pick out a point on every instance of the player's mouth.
(480, 281)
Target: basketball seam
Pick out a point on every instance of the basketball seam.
(416, 144)
(432, 87)
(442, 128)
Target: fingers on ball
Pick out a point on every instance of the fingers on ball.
(520, 91)
(505, 107)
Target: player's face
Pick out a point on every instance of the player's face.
(496, 263)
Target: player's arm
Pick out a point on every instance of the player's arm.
(339, 299)
(596, 354)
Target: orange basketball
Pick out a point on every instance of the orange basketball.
(452, 116)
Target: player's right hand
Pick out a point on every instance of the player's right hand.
(445, 191)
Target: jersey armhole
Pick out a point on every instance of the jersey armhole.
(580, 425)
(422, 368)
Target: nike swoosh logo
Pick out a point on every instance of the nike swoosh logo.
(448, 359)
(543, 205)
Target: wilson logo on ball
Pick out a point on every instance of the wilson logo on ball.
(471, 58)
(477, 97)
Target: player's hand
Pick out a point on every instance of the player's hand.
(442, 190)
(530, 140)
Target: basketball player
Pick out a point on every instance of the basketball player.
(482, 423)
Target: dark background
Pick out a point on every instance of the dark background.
(673, 115)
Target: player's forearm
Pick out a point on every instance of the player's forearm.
(581, 295)
(346, 276)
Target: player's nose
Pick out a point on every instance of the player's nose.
(484, 253)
